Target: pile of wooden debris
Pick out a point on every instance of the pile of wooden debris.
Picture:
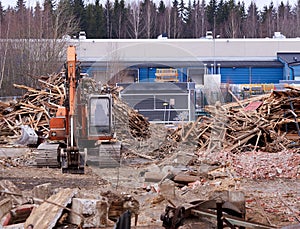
(37, 106)
(268, 123)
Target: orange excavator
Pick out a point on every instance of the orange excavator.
(81, 132)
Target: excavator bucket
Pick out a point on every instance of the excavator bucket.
(28, 137)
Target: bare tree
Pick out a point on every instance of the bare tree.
(148, 9)
(233, 25)
(252, 21)
(108, 12)
(134, 21)
(25, 57)
(297, 19)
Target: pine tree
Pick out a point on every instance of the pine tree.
(161, 18)
(211, 13)
(91, 20)
(252, 21)
(80, 14)
(100, 21)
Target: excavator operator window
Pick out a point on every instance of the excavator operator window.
(100, 117)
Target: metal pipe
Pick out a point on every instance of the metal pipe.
(235, 221)
(219, 214)
(72, 131)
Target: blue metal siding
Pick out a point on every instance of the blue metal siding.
(296, 71)
(182, 74)
(147, 74)
(235, 75)
(152, 74)
(266, 75)
(251, 75)
(143, 75)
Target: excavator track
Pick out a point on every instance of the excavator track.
(47, 155)
(106, 155)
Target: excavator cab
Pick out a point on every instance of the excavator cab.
(100, 116)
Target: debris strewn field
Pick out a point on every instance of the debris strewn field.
(248, 147)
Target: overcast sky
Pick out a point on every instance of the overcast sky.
(259, 3)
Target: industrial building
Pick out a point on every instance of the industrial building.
(203, 67)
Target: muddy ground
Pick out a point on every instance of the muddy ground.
(273, 201)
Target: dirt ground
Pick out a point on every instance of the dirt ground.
(273, 201)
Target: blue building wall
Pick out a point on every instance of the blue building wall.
(235, 75)
(231, 75)
(267, 75)
(251, 75)
(296, 70)
(143, 75)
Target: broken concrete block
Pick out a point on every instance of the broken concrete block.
(42, 191)
(153, 177)
(95, 212)
(5, 206)
(182, 159)
(237, 198)
(102, 213)
(167, 189)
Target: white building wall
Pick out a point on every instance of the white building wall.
(183, 49)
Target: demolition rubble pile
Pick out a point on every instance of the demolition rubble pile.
(37, 106)
(268, 123)
(45, 207)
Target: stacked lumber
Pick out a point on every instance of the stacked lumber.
(265, 126)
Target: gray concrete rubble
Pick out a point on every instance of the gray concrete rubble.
(95, 212)
(42, 192)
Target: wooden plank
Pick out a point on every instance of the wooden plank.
(46, 215)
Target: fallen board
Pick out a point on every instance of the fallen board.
(47, 214)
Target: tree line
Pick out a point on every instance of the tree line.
(147, 19)
(31, 44)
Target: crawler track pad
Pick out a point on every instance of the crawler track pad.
(107, 155)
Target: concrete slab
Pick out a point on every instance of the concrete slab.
(42, 191)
